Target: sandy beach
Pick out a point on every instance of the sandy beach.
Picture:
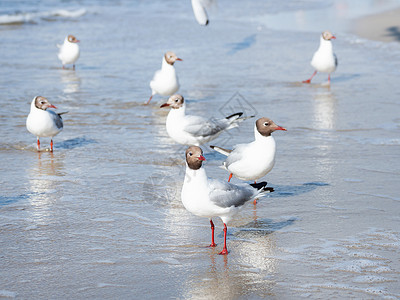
(383, 27)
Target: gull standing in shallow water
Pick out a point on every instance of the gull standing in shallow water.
(256, 159)
(69, 51)
(42, 122)
(324, 60)
(195, 130)
(208, 198)
(165, 81)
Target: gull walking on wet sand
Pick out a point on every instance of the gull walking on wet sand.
(324, 60)
(165, 81)
(208, 198)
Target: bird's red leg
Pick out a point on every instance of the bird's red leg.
(230, 177)
(213, 244)
(224, 250)
(309, 80)
(329, 78)
(148, 101)
(255, 200)
(38, 144)
(51, 145)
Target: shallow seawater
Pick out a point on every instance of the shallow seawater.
(101, 217)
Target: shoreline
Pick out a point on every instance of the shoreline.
(384, 27)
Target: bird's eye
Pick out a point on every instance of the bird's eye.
(190, 153)
(42, 102)
(266, 124)
(176, 100)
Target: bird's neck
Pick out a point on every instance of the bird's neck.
(260, 138)
(196, 177)
(325, 45)
(34, 108)
(167, 66)
(177, 113)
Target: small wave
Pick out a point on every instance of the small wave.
(69, 13)
(32, 17)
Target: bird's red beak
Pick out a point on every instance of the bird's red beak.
(52, 106)
(201, 157)
(164, 105)
(180, 59)
(333, 37)
(280, 128)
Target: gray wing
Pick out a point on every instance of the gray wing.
(199, 126)
(236, 154)
(59, 122)
(57, 119)
(336, 60)
(225, 194)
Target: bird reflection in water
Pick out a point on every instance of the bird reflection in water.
(251, 266)
(71, 80)
(324, 110)
(44, 180)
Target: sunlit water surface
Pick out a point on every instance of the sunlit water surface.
(101, 217)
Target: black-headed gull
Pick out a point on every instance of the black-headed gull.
(200, 13)
(69, 51)
(42, 122)
(256, 159)
(208, 198)
(194, 130)
(165, 81)
(324, 60)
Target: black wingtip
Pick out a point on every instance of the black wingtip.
(270, 189)
(259, 185)
(262, 185)
(212, 147)
(239, 114)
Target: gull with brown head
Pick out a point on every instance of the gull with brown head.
(209, 198)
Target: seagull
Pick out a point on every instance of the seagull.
(42, 122)
(165, 81)
(195, 130)
(69, 51)
(208, 198)
(200, 13)
(256, 159)
(324, 60)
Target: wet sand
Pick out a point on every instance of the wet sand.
(383, 27)
(101, 217)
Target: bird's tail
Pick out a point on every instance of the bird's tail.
(223, 151)
(62, 113)
(235, 119)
